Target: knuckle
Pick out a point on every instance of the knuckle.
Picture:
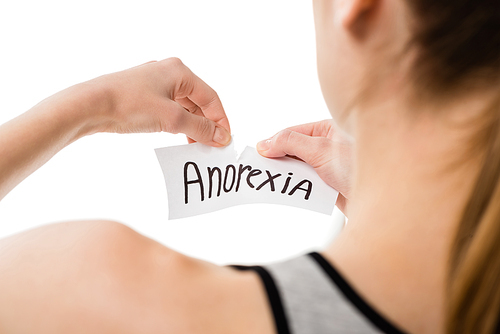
(283, 137)
(215, 98)
(173, 62)
(173, 67)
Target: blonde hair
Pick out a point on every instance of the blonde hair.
(458, 44)
(474, 276)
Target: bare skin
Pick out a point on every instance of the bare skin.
(102, 277)
(389, 157)
(405, 190)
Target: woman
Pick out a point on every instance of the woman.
(414, 83)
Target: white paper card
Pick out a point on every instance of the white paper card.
(202, 179)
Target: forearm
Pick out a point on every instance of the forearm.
(31, 139)
(153, 97)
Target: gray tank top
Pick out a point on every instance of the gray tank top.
(308, 296)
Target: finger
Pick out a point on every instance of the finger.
(193, 109)
(305, 129)
(342, 204)
(190, 106)
(198, 128)
(309, 149)
(187, 104)
(206, 99)
(315, 129)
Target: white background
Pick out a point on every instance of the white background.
(258, 55)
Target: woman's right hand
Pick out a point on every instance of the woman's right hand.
(153, 97)
(323, 146)
(159, 96)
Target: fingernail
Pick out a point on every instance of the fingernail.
(221, 136)
(264, 145)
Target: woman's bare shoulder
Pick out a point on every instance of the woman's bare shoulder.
(102, 276)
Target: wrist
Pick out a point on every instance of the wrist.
(81, 109)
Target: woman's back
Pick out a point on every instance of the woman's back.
(414, 152)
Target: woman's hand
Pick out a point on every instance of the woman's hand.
(156, 96)
(323, 146)
(162, 96)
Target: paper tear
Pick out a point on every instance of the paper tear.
(202, 179)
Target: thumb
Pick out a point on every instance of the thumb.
(312, 150)
(201, 129)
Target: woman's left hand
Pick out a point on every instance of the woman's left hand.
(323, 146)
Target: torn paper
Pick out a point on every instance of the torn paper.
(202, 179)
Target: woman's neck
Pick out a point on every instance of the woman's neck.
(411, 183)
